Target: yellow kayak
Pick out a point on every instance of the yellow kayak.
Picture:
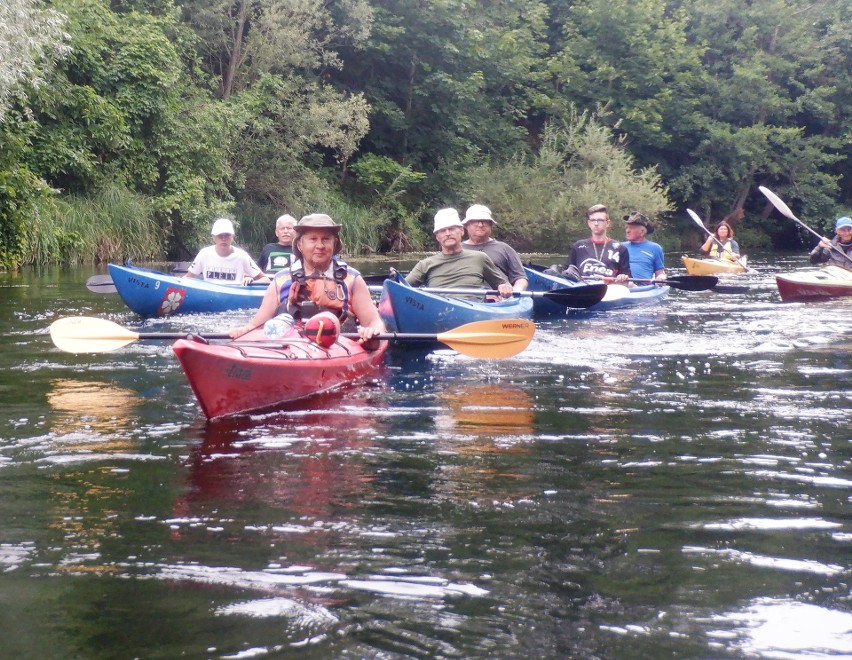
(713, 266)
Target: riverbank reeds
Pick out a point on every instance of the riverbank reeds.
(114, 225)
(364, 228)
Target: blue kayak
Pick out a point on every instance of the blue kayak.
(151, 293)
(407, 309)
(617, 295)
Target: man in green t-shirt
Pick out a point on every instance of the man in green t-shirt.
(454, 267)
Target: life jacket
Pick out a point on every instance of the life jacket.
(306, 295)
(717, 252)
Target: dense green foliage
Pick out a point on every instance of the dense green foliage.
(127, 126)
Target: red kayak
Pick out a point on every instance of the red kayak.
(256, 373)
(822, 284)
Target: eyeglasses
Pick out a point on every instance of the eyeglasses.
(222, 237)
(479, 222)
(598, 219)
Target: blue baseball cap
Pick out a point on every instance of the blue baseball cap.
(843, 222)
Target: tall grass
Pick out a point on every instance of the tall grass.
(114, 225)
(364, 228)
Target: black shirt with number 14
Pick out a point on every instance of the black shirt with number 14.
(597, 260)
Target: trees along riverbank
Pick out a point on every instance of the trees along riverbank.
(127, 126)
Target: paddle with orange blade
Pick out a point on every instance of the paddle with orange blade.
(481, 339)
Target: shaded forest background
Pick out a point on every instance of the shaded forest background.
(126, 127)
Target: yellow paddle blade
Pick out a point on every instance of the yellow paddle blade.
(86, 334)
(490, 339)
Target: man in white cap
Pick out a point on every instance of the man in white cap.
(833, 251)
(278, 255)
(455, 267)
(479, 222)
(222, 262)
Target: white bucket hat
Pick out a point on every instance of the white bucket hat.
(478, 212)
(446, 218)
(222, 226)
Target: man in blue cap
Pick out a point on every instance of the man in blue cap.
(837, 251)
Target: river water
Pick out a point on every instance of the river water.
(673, 481)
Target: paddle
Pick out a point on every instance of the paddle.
(694, 216)
(579, 296)
(104, 283)
(101, 284)
(684, 282)
(695, 283)
(482, 339)
(778, 203)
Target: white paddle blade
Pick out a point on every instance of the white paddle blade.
(86, 334)
(694, 216)
(777, 202)
(615, 292)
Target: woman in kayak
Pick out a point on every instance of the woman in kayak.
(318, 282)
(721, 245)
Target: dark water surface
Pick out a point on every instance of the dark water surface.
(666, 482)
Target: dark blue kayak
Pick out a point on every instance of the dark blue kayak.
(617, 295)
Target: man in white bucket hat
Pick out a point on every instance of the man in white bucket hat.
(454, 267)
(479, 222)
(223, 262)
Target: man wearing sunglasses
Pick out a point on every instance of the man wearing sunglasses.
(478, 222)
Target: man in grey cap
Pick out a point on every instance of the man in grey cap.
(646, 257)
(318, 282)
(478, 222)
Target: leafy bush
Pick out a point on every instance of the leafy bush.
(541, 202)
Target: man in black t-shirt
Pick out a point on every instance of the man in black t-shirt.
(276, 256)
(600, 256)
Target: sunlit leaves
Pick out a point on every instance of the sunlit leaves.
(32, 37)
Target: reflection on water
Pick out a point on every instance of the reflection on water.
(786, 629)
(91, 406)
(304, 459)
(498, 411)
(673, 482)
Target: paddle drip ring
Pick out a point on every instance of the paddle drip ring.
(322, 329)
